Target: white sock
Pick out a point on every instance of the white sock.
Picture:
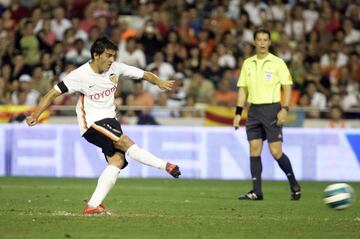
(145, 157)
(105, 183)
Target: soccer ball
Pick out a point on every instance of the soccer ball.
(339, 195)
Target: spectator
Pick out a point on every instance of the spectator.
(142, 98)
(78, 55)
(130, 53)
(25, 95)
(46, 37)
(187, 111)
(122, 7)
(283, 50)
(73, 8)
(150, 37)
(79, 33)
(224, 96)
(296, 27)
(212, 70)
(317, 99)
(335, 118)
(297, 70)
(173, 57)
(164, 68)
(88, 21)
(321, 81)
(4, 93)
(178, 49)
(354, 65)
(39, 82)
(30, 45)
(19, 67)
(9, 24)
(18, 10)
(340, 58)
(311, 15)
(304, 101)
(94, 33)
(253, 9)
(334, 100)
(163, 112)
(331, 18)
(194, 60)
(177, 94)
(137, 19)
(226, 58)
(352, 35)
(186, 33)
(47, 67)
(205, 43)
(59, 23)
(201, 89)
(278, 10)
(348, 99)
(36, 19)
(102, 23)
(5, 74)
(223, 22)
(161, 22)
(98, 8)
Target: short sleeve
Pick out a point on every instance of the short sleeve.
(242, 78)
(128, 71)
(71, 83)
(284, 74)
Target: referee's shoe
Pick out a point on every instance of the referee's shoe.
(295, 193)
(251, 196)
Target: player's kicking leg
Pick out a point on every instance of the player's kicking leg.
(135, 152)
(105, 183)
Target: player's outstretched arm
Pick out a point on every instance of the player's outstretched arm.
(154, 79)
(42, 106)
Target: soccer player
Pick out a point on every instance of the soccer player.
(261, 78)
(96, 81)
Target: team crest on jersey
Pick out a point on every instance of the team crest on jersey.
(113, 78)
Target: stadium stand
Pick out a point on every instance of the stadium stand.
(201, 44)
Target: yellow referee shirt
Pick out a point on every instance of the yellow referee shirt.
(263, 78)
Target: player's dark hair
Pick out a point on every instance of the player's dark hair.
(262, 30)
(100, 45)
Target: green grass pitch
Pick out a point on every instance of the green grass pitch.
(168, 208)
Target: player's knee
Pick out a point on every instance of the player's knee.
(117, 160)
(120, 164)
(255, 149)
(276, 152)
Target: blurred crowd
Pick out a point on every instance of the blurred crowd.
(200, 44)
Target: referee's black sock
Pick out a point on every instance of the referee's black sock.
(285, 165)
(256, 169)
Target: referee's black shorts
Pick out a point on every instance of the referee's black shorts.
(103, 133)
(261, 123)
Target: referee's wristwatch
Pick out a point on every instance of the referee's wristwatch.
(285, 108)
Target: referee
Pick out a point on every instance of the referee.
(261, 78)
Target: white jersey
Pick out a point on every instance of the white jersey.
(97, 91)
